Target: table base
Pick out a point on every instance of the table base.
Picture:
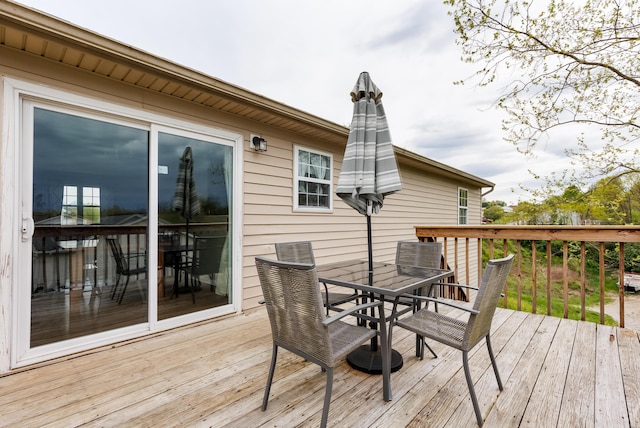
(368, 361)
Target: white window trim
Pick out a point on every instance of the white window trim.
(461, 207)
(16, 92)
(296, 207)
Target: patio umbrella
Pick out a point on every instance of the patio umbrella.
(369, 170)
(369, 173)
(185, 198)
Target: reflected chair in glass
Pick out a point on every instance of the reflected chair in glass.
(422, 254)
(205, 261)
(302, 252)
(44, 249)
(460, 334)
(299, 323)
(124, 267)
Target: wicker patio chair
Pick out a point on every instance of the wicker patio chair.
(423, 254)
(299, 324)
(302, 252)
(464, 335)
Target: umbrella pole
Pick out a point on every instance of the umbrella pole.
(374, 339)
(368, 358)
(369, 245)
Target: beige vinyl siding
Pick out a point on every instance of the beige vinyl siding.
(269, 215)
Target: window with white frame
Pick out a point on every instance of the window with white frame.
(312, 182)
(463, 205)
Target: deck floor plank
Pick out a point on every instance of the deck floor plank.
(453, 395)
(629, 344)
(521, 367)
(214, 374)
(578, 405)
(611, 407)
(485, 383)
(544, 404)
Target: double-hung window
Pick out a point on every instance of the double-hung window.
(463, 205)
(312, 180)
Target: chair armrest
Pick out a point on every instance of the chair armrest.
(444, 302)
(135, 255)
(349, 311)
(452, 284)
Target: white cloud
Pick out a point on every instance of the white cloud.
(308, 54)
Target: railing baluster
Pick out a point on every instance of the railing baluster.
(479, 260)
(455, 257)
(548, 277)
(445, 251)
(621, 287)
(466, 260)
(565, 278)
(583, 281)
(519, 274)
(506, 288)
(601, 283)
(534, 278)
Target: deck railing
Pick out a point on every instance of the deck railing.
(467, 242)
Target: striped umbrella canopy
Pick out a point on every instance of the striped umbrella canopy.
(185, 198)
(369, 169)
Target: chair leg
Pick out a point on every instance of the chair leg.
(421, 343)
(493, 362)
(472, 391)
(327, 398)
(272, 368)
(194, 283)
(123, 290)
(115, 287)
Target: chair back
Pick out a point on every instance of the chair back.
(298, 252)
(415, 253)
(295, 307)
(491, 286)
(207, 253)
(122, 266)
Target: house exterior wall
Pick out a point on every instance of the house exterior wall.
(267, 179)
(341, 234)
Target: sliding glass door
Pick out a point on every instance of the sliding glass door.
(130, 223)
(194, 208)
(90, 189)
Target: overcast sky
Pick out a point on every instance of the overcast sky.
(308, 54)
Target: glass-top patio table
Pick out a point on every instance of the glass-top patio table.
(386, 282)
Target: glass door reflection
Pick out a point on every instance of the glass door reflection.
(90, 186)
(194, 210)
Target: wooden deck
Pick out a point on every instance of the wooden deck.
(556, 372)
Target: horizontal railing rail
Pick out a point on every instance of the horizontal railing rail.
(466, 257)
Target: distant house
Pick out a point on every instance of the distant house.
(93, 132)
